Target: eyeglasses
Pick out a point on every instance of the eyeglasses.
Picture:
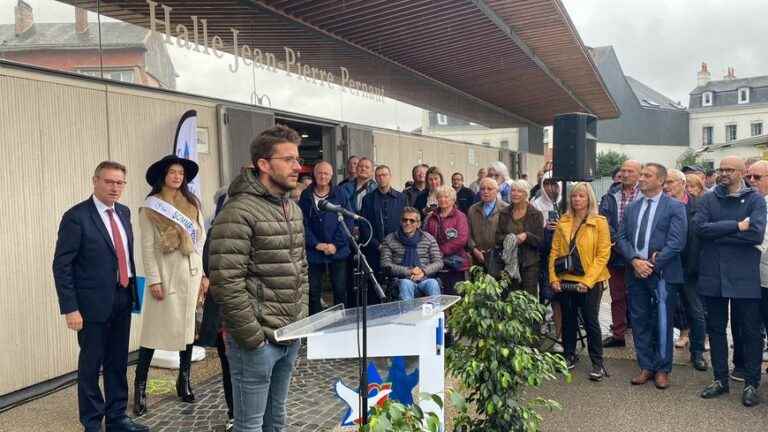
(410, 221)
(290, 160)
(726, 170)
(755, 177)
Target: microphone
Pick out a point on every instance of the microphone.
(333, 208)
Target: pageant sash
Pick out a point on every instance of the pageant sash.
(172, 213)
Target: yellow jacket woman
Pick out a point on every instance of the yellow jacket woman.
(593, 243)
(592, 239)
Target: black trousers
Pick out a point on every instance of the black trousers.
(746, 316)
(104, 345)
(338, 273)
(226, 378)
(588, 305)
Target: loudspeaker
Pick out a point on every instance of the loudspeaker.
(574, 155)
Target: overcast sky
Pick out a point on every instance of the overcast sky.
(659, 42)
(663, 42)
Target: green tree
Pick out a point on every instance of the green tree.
(495, 356)
(609, 161)
(689, 157)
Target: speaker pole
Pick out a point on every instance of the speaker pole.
(563, 196)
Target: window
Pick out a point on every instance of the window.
(730, 133)
(744, 95)
(93, 73)
(442, 119)
(706, 135)
(119, 75)
(706, 99)
(757, 128)
(545, 139)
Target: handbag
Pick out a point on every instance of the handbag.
(494, 264)
(571, 263)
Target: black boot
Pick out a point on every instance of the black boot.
(140, 382)
(139, 398)
(183, 384)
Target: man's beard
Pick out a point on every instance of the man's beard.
(283, 183)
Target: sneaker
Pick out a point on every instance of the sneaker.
(597, 373)
(556, 348)
(612, 342)
(737, 375)
(571, 361)
(229, 426)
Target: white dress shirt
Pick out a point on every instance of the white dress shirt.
(102, 209)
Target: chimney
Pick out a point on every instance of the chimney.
(24, 18)
(81, 20)
(704, 76)
(730, 75)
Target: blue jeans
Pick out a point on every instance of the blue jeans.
(260, 380)
(409, 289)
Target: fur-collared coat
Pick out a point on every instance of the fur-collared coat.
(170, 260)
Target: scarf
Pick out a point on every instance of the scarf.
(411, 244)
(509, 256)
(172, 236)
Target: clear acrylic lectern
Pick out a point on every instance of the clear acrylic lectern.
(404, 328)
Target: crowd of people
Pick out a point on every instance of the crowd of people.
(673, 248)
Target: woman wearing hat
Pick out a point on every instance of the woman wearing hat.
(172, 238)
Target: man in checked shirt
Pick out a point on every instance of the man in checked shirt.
(612, 206)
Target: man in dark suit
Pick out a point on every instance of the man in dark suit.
(731, 223)
(94, 270)
(652, 235)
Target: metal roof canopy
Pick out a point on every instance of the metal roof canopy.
(499, 63)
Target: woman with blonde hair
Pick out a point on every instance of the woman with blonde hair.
(578, 270)
(694, 186)
(527, 224)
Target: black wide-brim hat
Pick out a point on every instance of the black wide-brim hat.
(156, 171)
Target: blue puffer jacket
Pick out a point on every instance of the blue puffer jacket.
(729, 260)
(324, 227)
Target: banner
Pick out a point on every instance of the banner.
(185, 145)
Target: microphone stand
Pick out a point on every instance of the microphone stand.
(362, 267)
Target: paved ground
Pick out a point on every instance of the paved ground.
(612, 405)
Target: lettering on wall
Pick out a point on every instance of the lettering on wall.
(288, 61)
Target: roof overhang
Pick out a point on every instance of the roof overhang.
(494, 62)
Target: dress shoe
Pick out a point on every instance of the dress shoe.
(644, 377)
(126, 424)
(750, 397)
(612, 342)
(139, 398)
(662, 380)
(699, 362)
(714, 390)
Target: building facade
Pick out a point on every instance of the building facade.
(727, 110)
(650, 126)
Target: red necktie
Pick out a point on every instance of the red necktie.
(117, 240)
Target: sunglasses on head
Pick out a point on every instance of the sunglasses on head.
(410, 220)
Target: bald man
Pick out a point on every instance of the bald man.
(612, 206)
(730, 223)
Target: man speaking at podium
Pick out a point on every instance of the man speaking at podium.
(259, 277)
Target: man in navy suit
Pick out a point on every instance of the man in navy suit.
(93, 268)
(652, 235)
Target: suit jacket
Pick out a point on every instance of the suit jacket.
(85, 262)
(669, 230)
